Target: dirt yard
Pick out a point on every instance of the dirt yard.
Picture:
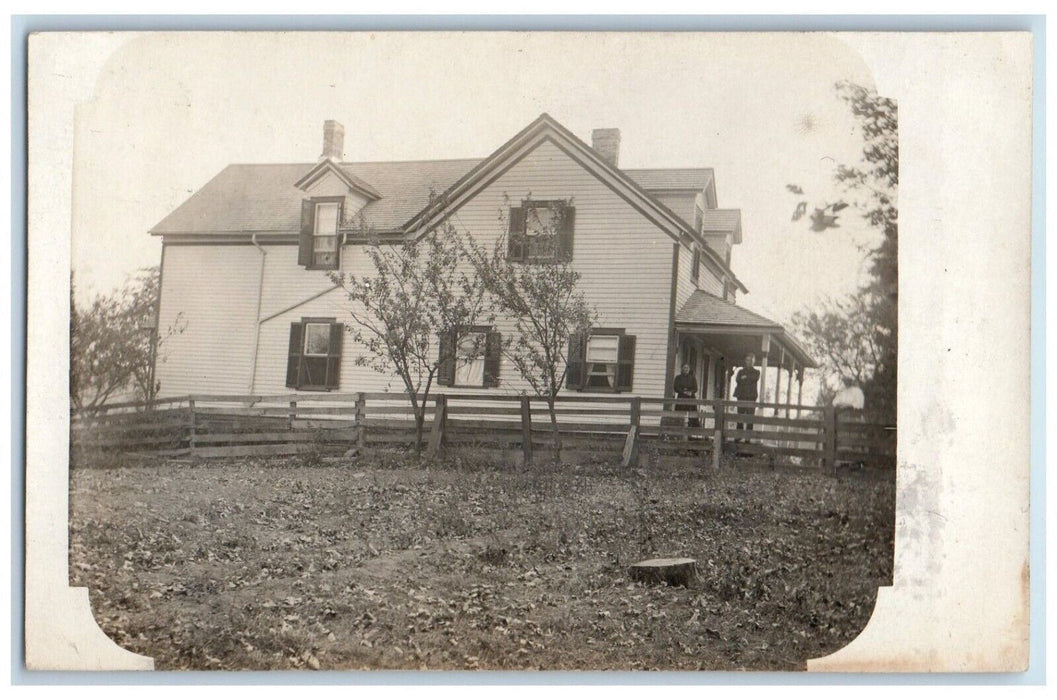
(280, 564)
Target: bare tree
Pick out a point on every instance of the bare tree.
(419, 292)
(531, 284)
(111, 339)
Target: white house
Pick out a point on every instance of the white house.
(245, 260)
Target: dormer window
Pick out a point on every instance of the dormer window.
(319, 247)
(325, 236)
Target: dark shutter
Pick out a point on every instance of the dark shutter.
(337, 335)
(492, 358)
(515, 239)
(625, 362)
(445, 360)
(565, 234)
(308, 227)
(293, 360)
(574, 372)
(695, 270)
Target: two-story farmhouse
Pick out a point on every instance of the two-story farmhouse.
(245, 265)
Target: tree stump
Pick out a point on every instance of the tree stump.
(674, 572)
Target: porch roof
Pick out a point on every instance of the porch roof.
(736, 330)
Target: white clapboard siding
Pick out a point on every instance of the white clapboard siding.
(626, 263)
(211, 292)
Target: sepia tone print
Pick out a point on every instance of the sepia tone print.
(545, 401)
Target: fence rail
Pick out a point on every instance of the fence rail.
(244, 425)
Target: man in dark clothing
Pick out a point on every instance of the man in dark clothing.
(745, 389)
(686, 388)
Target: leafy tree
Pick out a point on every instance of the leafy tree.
(110, 342)
(858, 336)
(420, 290)
(544, 304)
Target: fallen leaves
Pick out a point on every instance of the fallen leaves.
(262, 564)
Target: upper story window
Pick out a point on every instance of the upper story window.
(695, 265)
(541, 231)
(319, 244)
(325, 236)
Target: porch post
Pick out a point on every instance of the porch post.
(778, 379)
(764, 349)
(789, 389)
(799, 390)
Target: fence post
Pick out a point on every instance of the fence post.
(526, 431)
(361, 417)
(829, 454)
(717, 436)
(631, 444)
(293, 415)
(193, 433)
(436, 436)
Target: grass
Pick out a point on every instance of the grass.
(278, 564)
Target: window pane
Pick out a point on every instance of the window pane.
(327, 219)
(469, 365)
(317, 338)
(325, 260)
(540, 221)
(325, 244)
(602, 348)
(602, 376)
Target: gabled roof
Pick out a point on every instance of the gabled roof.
(267, 199)
(671, 179)
(328, 166)
(546, 128)
(723, 221)
(263, 198)
(707, 311)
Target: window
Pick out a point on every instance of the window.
(603, 360)
(314, 359)
(541, 231)
(319, 245)
(325, 236)
(695, 266)
(469, 358)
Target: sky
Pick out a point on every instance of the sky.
(166, 112)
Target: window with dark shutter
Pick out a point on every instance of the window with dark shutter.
(470, 357)
(626, 363)
(293, 361)
(515, 249)
(566, 225)
(695, 267)
(492, 358)
(574, 372)
(445, 360)
(541, 232)
(314, 358)
(605, 361)
(308, 226)
(319, 243)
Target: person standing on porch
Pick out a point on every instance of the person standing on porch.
(686, 388)
(745, 383)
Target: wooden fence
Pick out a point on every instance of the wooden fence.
(204, 426)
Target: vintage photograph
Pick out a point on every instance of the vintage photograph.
(514, 351)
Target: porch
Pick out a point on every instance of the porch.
(715, 337)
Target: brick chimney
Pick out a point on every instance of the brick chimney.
(333, 140)
(606, 143)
